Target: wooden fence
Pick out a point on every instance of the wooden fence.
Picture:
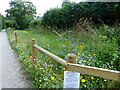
(71, 65)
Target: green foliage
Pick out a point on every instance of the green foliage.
(95, 49)
(9, 23)
(2, 22)
(35, 23)
(70, 13)
(22, 12)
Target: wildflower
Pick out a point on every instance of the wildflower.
(54, 74)
(56, 68)
(46, 79)
(38, 65)
(92, 77)
(47, 69)
(63, 68)
(58, 84)
(32, 61)
(24, 60)
(94, 54)
(65, 57)
(81, 77)
(50, 65)
(49, 74)
(52, 78)
(74, 49)
(105, 80)
(78, 53)
(81, 46)
(83, 80)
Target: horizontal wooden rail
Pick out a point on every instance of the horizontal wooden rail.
(104, 73)
(59, 60)
(99, 72)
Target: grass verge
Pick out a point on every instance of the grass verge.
(91, 50)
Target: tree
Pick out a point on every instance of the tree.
(21, 12)
(2, 22)
(70, 13)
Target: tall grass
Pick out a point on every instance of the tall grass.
(92, 49)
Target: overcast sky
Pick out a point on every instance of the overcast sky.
(41, 5)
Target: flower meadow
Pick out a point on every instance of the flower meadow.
(44, 72)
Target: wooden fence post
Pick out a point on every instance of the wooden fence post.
(16, 38)
(71, 79)
(71, 58)
(33, 50)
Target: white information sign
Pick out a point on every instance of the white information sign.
(71, 79)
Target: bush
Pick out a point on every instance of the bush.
(70, 13)
(35, 23)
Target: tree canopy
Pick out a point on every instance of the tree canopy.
(21, 13)
(2, 21)
(70, 13)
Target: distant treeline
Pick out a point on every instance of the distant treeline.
(70, 13)
(21, 15)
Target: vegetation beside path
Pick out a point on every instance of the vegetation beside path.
(97, 49)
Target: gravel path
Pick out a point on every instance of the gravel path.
(11, 70)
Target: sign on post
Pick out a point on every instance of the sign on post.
(71, 79)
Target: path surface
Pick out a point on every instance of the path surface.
(11, 69)
(0, 61)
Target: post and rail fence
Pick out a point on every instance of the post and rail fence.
(71, 65)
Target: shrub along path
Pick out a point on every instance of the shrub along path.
(11, 70)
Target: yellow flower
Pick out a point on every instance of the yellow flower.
(54, 74)
(34, 59)
(50, 65)
(79, 53)
(24, 60)
(63, 68)
(52, 78)
(83, 80)
(38, 65)
(82, 53)
(81, 77)
(94, 54)
(74, 49)
(81, 46)
(92, 77)
(47, 69)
